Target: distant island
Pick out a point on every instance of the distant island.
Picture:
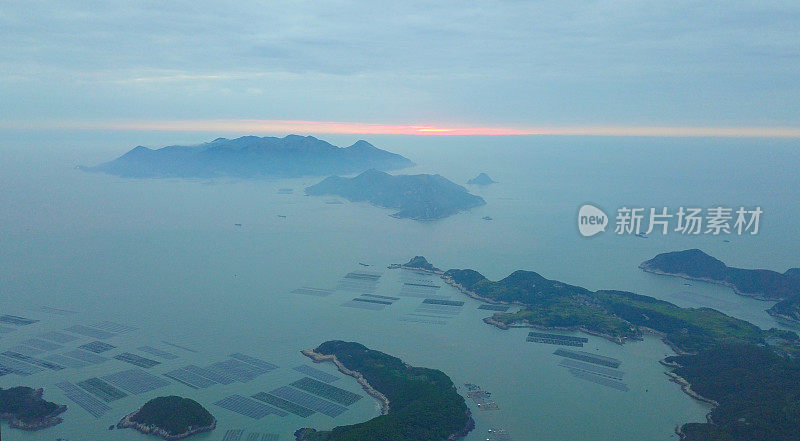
(171, 418)
(481, 179)
(419, 197)
(252, 157)
(418, 263)
(25, 409)
(750, 376)
(416, 403)
(761, 284)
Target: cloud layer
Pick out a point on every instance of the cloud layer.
(490, 63)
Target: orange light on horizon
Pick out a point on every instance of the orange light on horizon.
(360, 128)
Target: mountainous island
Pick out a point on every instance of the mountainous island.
(419, 197)
(750, 376)
(761, 284)
(171, 418)
(252, 157)
(417, 403)
(419, 263)
(481, 179)
(24, 408)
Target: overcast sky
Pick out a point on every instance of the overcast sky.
(485, 63)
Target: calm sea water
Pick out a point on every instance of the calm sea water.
(166, 257)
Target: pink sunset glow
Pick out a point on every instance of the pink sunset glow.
(340, 127)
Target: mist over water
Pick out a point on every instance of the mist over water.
(165, 256)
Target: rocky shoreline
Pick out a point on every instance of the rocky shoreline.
(40, 423)
(316, 357)
(127, 423)
(757, 296)
(43, 422)
(686, 387)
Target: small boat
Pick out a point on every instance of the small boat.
(237, 225)
(364, 264)
(642, 235)
(282, 216)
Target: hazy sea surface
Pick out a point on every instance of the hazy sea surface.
(165, 256)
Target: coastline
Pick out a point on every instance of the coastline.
(686, 387)
(504, 326)
(126, 423)
(500, 325)
(316, 357)
(758, 296)
(43, 422)
(39, 423)
(789, 319)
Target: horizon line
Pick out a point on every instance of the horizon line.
(355, 128)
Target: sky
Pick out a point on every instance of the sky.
(483, 67)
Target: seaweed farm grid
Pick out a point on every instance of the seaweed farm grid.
(595, 368)
(324, 390)
(359, 281)
(284, 404)
(190, 379)
(158, 352)
(316, 373)
(556, 339)
(66, 361)
(211, 375)
(614, 384)
(422, 289)
(58, 337)
(136, 381)
(588, 357)
(309, 291)
(592, 369)
(309, 401)
(33, 361)
(136, 360)
(248, 407)
(12, 365)
(56, 311)
(101, 389)
(95, 407)
(27, 350)
(406, 318)
(499, 308)
(236, 369)
(440, 306)
(97, 347)
(371, 301)
(86, 356)
(90, 332)
(16, 320)
(42, 344)
(112, 327)
(233, 435)
(257, 362)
